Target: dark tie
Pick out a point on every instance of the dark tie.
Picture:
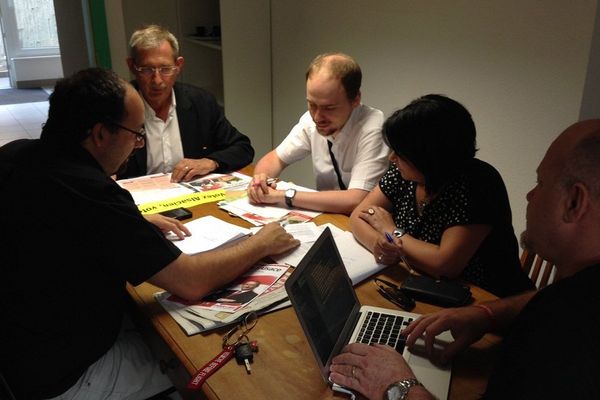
(335, 167)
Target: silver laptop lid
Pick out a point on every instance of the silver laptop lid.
(324, 300)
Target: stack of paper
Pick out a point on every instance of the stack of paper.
(156, 187)
(261, 214)
(210, 313)
(208, 233)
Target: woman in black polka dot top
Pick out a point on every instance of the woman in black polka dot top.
(445, 211)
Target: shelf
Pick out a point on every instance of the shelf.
(210, 43)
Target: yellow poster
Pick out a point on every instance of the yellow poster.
(186, 200)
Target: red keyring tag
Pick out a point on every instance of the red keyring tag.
(211, 367)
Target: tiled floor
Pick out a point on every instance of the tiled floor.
(21, 120)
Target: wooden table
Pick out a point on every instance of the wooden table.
(284, 367)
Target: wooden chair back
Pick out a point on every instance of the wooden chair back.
(541, 272)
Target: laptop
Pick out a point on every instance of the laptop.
(331, 316)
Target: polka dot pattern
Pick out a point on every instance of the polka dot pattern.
(462, 201)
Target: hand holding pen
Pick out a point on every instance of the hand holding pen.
(390, 239)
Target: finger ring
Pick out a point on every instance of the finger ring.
(380, 257)
(186, 167)
(353, 372)
(371, 211)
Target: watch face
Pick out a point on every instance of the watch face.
(290, 192)
(396, 392)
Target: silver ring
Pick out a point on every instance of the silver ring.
(380, 257)
(371, 211)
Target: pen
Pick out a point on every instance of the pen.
(390, 239)
(269, 182)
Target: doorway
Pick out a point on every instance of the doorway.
(29, 52)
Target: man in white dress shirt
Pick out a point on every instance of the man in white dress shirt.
(336, 125)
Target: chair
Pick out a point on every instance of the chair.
(541, 272)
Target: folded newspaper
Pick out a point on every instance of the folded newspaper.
(260, 290)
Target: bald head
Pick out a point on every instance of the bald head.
(576, 154)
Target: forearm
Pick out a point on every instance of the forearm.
(362, 231)
(504, 311)
(429, 258)
(193, 277)
(333, 201)
(270, 165)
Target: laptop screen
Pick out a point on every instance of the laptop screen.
(323, 296)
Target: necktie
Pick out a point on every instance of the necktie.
(335, 167)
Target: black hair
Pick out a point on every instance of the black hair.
(80, 101)
(434, 133)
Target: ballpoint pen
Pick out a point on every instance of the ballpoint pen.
(390, 239)
(269, 182)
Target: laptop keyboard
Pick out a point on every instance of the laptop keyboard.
(383, 329)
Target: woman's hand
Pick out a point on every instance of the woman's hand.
(379, 219)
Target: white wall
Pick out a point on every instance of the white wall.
(519, 66)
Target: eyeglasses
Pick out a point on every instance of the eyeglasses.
(139, 135)
(394, 294)
(150, 71)
(239, 332)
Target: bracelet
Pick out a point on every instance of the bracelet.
(489, 313)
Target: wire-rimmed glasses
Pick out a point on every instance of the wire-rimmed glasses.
(240, 330)
(150, 71)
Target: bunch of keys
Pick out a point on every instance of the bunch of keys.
(242, 348)
(244, 352)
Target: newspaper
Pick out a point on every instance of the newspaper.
(194, 319)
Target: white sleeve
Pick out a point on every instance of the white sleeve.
(296, 146)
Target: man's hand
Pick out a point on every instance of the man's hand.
(370, 369)
(167, 224)
(466, 324)
(188, 168)
(261, 192)
(276, 239)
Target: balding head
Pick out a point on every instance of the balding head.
(340, 66)
(564, 208)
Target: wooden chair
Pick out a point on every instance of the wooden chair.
(541, 272)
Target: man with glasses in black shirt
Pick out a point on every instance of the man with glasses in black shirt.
(71, 240)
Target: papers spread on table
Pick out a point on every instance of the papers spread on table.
(213, 313)
(208, 233)
(359, 262)
(156, 187)
(261, 214)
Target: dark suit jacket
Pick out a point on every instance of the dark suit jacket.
(205, 133)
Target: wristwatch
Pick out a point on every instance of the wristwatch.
(289, 196)
(399, 232)
(399, 390)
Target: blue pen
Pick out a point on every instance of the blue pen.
(390, 239)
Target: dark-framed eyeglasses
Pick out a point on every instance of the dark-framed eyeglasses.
(150, 71)
(240, 330)
(139, 135)
(394, 294)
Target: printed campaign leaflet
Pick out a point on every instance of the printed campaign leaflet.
(262, 214)
(156, 187)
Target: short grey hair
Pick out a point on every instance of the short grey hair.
(150, 37)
